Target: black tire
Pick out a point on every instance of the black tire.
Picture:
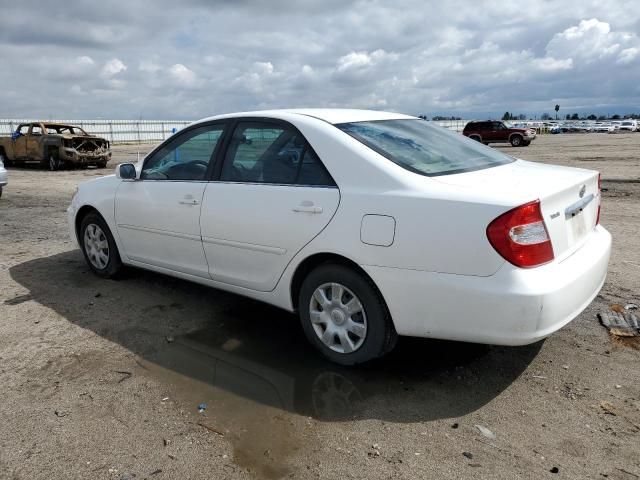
(515, 140)
(101, 165)
(0, 192)
(526, 143)
(380, 337)
(114, 265)
(476, 138)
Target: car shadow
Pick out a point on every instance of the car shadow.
(259, 352)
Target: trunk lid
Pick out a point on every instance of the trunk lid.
(569, 197)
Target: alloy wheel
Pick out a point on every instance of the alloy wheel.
(338, 317)
(96, 246)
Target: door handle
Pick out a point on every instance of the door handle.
(189, 202)
(307, 209)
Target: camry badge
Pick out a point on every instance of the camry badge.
(582, 190)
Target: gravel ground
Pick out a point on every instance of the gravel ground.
(102, 379)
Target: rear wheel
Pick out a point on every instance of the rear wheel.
(475, 137)
(344, 316)
(516, 140)
(98, 246)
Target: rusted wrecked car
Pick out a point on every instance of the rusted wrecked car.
(54, 146)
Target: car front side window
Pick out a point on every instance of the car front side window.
(186, 157)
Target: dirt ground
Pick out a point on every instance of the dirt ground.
(103, 379)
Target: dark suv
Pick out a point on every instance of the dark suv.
(494, 131)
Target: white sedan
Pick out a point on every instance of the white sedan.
(368, 224)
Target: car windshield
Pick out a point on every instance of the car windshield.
(424, 148)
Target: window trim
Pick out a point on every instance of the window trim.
(231, 128)
(213, 160)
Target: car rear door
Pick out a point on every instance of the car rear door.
(272, 196)
(484, 130)
(158, 216)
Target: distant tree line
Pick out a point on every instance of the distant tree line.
(546, 116)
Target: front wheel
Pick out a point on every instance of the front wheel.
(344, 316)
(516, 140)
(99, 247)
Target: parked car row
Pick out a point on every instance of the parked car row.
(595, 127)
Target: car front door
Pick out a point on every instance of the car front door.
(272, 196)
(158, 216)
(500, 132)
(20, 141)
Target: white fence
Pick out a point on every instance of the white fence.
(116, 131)
(140, 131)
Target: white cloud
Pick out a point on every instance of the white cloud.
(628, 55)
(183, 76)
(85, 61)
(263, 68)
(112, 68)
(361, 60)
(590, 41)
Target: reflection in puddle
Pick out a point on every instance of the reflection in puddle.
(262, 382)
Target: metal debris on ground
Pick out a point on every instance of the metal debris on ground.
(469, 455)
(202, 407)
(620, 324)
(486, 432)
(631, 306)
(608, 408)
(211, 429)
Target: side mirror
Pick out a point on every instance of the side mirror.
(126, 171)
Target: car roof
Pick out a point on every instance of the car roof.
(330, 115)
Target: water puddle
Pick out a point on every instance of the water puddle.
(265, 386)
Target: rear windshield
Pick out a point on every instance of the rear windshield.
(424, 148)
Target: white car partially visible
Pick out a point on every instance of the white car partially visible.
(629, 126)
(368, 224)
(4, 176)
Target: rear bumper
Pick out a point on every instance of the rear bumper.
(512, 307)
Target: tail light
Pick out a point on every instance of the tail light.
(521, 237)
(599, 198)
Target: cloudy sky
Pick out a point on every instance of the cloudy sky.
(189, 59)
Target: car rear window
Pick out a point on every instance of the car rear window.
(424, 148)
